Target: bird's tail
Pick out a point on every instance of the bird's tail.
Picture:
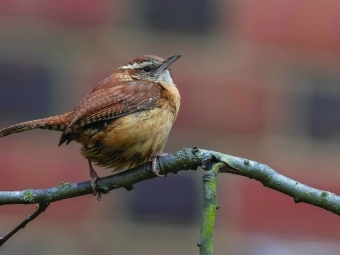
(57, 123)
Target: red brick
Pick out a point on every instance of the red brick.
(85, 12)
(300, 23)
(234, 105)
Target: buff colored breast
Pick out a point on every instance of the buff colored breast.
(131, 140)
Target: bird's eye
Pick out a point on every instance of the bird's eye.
(147, 69)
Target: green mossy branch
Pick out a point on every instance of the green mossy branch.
(205, 243)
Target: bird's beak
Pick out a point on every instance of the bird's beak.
(166, 64)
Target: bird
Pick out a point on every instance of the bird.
(124, 121)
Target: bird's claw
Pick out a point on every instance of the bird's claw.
(154, 163)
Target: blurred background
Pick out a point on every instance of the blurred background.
(259, 79)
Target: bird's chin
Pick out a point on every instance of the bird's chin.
(165, 77)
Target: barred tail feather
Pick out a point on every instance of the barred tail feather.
(57, 123)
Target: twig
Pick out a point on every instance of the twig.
(184, 159)
(205, 243)
(40, 209)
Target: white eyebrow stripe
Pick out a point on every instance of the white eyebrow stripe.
(136, 65)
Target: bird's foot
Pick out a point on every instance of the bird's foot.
(154, 163)
(94, 176)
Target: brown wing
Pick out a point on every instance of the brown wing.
(113, 102)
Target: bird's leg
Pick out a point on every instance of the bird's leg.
(94, 177)
(154, 163)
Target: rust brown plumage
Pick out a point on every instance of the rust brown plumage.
(124, 121)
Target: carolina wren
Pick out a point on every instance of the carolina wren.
(124, 121)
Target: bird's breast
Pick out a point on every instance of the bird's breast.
(131, 140)
(147, 129)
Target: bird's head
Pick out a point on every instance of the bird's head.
(149, 68)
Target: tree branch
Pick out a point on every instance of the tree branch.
(40, 209)
(205, 243)
(185, 159)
